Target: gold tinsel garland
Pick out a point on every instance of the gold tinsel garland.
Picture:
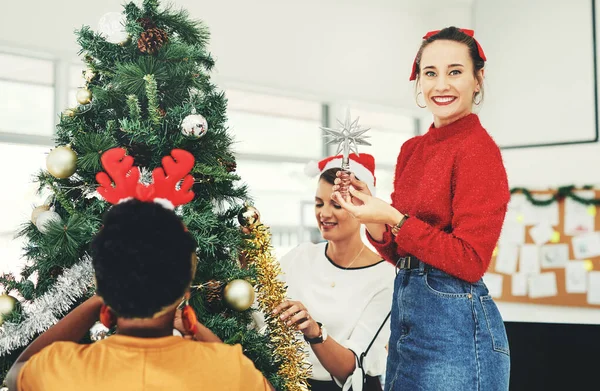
(271, 291)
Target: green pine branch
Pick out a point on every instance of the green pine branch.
(89, 148)
(190, 56)
(131, 77)
(135, 111)
(67, 238)
(152, 95)
(102, 55)
(192, 32)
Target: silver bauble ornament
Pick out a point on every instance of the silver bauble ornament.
(98, 332)
(112, 27)
(239, 294)
(61, 162)
(248, 216)
(44, 219)
(194, 125)
(84, 96)
(36, 212)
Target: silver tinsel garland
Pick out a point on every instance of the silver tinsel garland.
(46, 310)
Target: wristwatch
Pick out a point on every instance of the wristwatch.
(321, 338)
(396, 228)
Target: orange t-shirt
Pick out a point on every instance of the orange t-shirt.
(140, 364)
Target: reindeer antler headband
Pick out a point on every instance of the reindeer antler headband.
(163, 190)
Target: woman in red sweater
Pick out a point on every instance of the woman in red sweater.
(448, 205)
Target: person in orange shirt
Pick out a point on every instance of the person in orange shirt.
(144, 260)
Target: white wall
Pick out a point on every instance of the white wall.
(512, 21)
(531, 87)
(328, 49)
(540, 71)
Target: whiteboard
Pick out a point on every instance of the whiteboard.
(541, 81)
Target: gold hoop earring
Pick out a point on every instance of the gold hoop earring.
(417, 100)
(474, 97)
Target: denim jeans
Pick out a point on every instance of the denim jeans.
(446, 335)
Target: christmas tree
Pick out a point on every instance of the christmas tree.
(148, 91)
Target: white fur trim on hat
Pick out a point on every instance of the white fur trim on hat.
(311, 168)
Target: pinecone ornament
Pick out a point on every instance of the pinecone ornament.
(213, 295)
(152, 40)
(230, 166)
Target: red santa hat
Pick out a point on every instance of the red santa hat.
(363, 167)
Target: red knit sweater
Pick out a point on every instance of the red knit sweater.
(452, 183)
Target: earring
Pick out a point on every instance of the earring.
(107, 317)
(417, 100)
(474, 97)
(189, 319)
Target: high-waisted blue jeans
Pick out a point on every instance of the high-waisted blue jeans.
(446, 335)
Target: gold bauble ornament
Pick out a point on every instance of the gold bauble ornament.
(84, 96)
(69, 113)
(249, 216)
(61, 162)
(7, 304)
(239, 294)
(36, 212)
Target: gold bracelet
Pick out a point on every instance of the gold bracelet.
(396, 228)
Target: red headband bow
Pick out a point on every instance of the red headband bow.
(163, 189)
(470, 33)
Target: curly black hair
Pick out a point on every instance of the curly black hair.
(142, 257)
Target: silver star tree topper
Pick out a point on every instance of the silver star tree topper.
(348, 137)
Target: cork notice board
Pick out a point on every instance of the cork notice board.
(548, 254)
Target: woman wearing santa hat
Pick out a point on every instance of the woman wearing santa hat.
(448, 206)
(340, 290)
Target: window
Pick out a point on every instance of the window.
(21, 163)
(279, 190)
(26, 69)
(275, 138)
(275, 126)
(26, 95)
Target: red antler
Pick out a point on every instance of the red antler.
(125, 178)
(176, 169)
(119, 166)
